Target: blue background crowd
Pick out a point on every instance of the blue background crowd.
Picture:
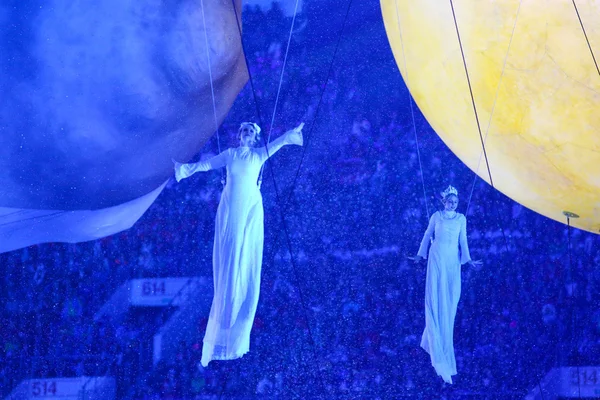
(341, 307)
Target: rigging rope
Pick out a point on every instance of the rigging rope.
(307, 141)
(479, 126)
(410, 100)
(278, 199)
(573, 295)
(494, 106)
(312, 125)
(287, 49)
(586, 37)
(477, 118)
(487, 163)
(296, 176)
(212, 89)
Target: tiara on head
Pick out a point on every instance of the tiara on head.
(253, 124)
(449, 190)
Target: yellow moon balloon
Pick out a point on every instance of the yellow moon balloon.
(536, 91)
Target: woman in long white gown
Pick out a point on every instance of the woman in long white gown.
(238, 241)
(449, 250)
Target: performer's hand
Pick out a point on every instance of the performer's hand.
(294, 136)
(177, 166)
(476, 263)
(416, 259)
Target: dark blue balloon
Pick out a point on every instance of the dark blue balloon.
(97, 97)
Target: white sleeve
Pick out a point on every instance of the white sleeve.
(462, 241)
(427, 237)
(290, 137)
(183, 171)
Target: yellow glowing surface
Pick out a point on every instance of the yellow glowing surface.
(536, 91)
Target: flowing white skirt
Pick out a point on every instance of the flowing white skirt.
(442, 292)
(237, 263)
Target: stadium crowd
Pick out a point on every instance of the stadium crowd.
(343, 314)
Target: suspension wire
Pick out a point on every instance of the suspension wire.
(480, 134)
(568, 217)
(314, 119)
(487, 131)
(212, 89)
(258, 114)
(312, 124)
(272, 174)
(487, 163)
(416, 137)
(573, 284)
(479, 126)
(189, 281)
(410, 100)
(287, 49)
(304, 149)
(477, 118)
(586, 37)
(281, 209)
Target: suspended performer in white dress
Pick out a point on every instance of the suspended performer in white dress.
(449, 250)
(238, 241)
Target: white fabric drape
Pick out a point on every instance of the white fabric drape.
(20, 227)
(442, 291)
(237, 250)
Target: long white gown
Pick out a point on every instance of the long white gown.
(237, 250)
(442, 291)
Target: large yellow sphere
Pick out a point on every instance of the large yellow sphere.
(535, 86)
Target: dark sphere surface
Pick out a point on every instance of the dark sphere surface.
(96, 97)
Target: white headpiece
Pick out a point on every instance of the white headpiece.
(449, 190)
(253, 124)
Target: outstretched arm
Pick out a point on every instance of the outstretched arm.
(293, 136)
(183, 171)
(465, 256)
(422, 253)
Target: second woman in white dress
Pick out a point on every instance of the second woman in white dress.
(449, 250)
(238, 241)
